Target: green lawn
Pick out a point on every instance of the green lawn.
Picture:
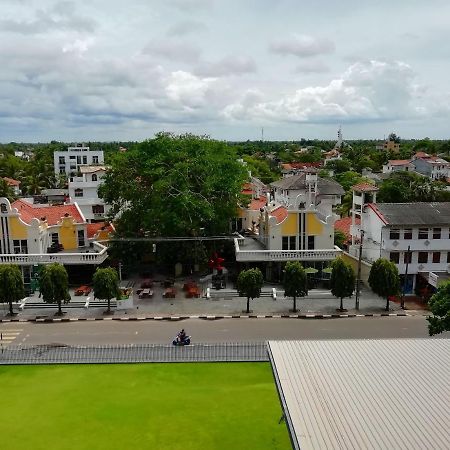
(185, 406)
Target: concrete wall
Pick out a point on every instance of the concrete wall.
(365, 267)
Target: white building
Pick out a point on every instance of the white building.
(398, 165)
(70, 161)
(83, 190)
(415, 236)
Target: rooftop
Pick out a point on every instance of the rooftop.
(298, 182)
(364, 187)
(399, 162)
(353, 394)
(11, 181)
(344, 225)
(92, 169)
(420, 213)
(53, 214)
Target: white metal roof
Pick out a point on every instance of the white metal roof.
(365, 394)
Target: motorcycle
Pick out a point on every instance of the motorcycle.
(185, 341)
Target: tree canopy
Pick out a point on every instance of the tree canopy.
(342, 280)
(384, 279)
(295, 281)
(54, 284)
(106, 284)
(174, 186)
(439, 305)
(11, 285)
(249, 284)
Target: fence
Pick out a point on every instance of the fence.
(133, 353)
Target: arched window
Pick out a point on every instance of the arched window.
(3, 208)
(94, 177)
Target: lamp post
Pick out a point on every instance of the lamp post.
(402, 302)
(358, 278)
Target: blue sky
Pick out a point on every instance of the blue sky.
(110, 70)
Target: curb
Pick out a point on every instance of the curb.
(208, 317)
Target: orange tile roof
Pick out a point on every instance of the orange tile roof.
(11, 181)
(364, 187)
(345, 224)
(422, 155)
(93, 228)
(279, 213)
(257, 204)
(399, 162)
(53, 214)
(300, 165)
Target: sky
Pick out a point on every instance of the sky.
(109, 70)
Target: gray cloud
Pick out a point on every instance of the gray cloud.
(173, 50)
(191, 5)
(229, 65)
(186, 27)
(312, 66)
(302, 46)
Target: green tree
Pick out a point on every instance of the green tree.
(342, 280)
(249, 284)
(5, 190)
(295, 282)
(439, 305)
(384, 279)
(106, 284)
(53, 282)
(11, 285)
(339, 238)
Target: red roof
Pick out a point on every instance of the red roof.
(300, 165)
(279, 213)
(422, 155)
(344, 225)
(399, 162)
(257, 204)
(11, 181)
(53, 214)
(94, 228)
(364, 187)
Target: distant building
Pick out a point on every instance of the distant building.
(388, 145)
(25, 155)
(432, 167)
(69, 162)
(398, 165)
(13, 184)
(294, 168)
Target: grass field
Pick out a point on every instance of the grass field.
(140, 406)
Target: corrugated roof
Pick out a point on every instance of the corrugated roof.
(420, 213)
(373, 394)
(298, 182)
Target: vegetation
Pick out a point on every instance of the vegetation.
(295, 282)
(53, 282)
(339, 238)
(342, 280)
(439, 305)
(11, 285)
(384, 279)
(106, 284)
(249, 284)
(187, 406)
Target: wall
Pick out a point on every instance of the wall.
(365, 267)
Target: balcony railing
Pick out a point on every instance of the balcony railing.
(92, 257)
(286, 255)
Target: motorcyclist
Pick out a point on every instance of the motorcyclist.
(181, 336)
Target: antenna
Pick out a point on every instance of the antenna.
(262, 134)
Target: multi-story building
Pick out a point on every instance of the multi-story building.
(295, 225)
(31, 235)
(415, 236)
(398, 165)
(83, 189)
(388, 145)
(432, 167)
(69, 162)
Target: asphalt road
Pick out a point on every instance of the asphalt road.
(224, 330)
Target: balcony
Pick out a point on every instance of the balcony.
(95, 255)
(284, 255)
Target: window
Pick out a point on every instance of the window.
(448, 257)
(73, 167)
(436, 257)
(3, 208)
(423, 257)
(285, 243)
(394, 257)
(289, 242)
(407, 233)
(436, 233)
(292, 241)
(407, 257)
(72, 157)
(100, 209)
(311, 242)
(62, 170)
(95, 160)
(84, 159)
(94, 177)
(81, 241)
(394, 234)
(423, 233)
(62, 160)
(78, 192)
(55, 238)
(78, 159)
(20, 246)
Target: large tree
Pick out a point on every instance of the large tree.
(439, 305)
(295, 282)
(342, 280)
(106, 285)
(174, 186)
(249, 284)
(11, 285)
(54, 282)
(384, 279)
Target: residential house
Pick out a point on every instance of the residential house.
(415, 236)
(14, 185)
(398, 165)
(332, 155)
(294, 168)
(432, 167)
(69, 162)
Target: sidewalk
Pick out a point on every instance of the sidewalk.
(319, 302)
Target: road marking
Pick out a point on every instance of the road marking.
(8, 336)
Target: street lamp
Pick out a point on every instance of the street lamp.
(408, 255)
(358, 278)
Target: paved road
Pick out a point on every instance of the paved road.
(225, 330)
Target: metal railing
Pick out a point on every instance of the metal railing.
(133, 353)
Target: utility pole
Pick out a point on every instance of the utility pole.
(120, 271)
(358, 277)
(408, 253)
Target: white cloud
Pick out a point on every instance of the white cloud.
(229, 65)
(302, 46)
